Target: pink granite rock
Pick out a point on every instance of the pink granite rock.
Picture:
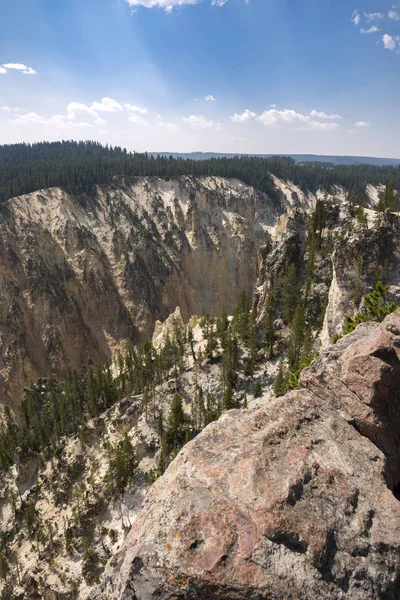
(296, 500)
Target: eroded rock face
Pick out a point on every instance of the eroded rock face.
(295, 499)
(82, 276)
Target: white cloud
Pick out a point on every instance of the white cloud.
(165, 124)
(246, 116)
(167, 5)
(389, 42)
(373, 16)
(284, 118)
(76, 107)
(372, 29)
(199, 122)
(5, 108)
(19, 67)
(210, 98)
(136, 118)
(57, 121)
(361, 124)
(315, 114)
(394, 15)
(3, 71)
(140, 109)
(356, 17)
(106, 105)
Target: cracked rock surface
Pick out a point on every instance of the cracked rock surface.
(298, 498)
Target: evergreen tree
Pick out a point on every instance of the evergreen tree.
(222, 327)
(296, 340)
(289, 294)
(198, 411)
(268, 324)
(376, 308)
(228, 397)
(241, 317)
(281, 380)
(4, 567)
(176, 422)
(123, 465)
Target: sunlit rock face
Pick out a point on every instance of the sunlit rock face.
(298, 498)
(81, 276)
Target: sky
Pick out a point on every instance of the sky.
(240, 76)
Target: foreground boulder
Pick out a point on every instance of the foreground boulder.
(293, 500)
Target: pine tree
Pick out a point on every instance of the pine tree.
(241, 317)
(296, 339)
(228, 397)
(198, 411)
(123, 464)
(376, 308)
(252, 345)
(176, 422)
(289, 294)
(389, 199)
(4, 567)
(280, 383)
(162, 460)
(222, 327)
(268, 324)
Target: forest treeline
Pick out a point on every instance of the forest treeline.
(79, 166)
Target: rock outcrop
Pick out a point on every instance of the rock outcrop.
(169, 330)
(297, 498)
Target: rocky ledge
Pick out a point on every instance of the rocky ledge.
(297, 498)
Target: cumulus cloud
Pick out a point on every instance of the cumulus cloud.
(199, 122)
(18, 67)
(389, 42)
(133, 108)
(248, 115)
(74, 108)
(361, 124)
(315, 114)
(394, 15)
(281, 118)
(356, 17)
(3, 71)
(372, 29)
(57, 121)
(107, 105)
(210, 98)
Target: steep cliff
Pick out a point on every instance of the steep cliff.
(82, 276)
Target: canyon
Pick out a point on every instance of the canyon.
(272, 500)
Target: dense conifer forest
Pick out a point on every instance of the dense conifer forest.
(79, 166)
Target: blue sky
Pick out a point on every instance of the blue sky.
(273, 76)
